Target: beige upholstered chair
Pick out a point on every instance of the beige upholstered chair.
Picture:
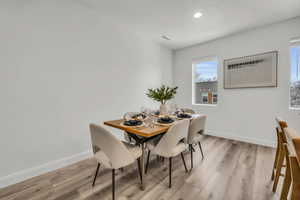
(196, 129)
(112, 153)
(291, 183)
(171, 144)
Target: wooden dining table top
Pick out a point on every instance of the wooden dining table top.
(143, 131)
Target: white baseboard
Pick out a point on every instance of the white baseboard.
(35, 171)
(242, 139)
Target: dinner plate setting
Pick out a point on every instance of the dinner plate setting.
(133, 123)
(183, 116)
(165, 121)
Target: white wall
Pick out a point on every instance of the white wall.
(62, 66)
(243, 114)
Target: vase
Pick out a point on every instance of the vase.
(163, 109)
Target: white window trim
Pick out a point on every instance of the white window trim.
(293, 43)
(195, 61)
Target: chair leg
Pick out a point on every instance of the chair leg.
(148, 158)
(286, 183)
(201, 149)
(275, 163)
(113, 184)
(295, 172)
(278, 169)
(183, 162)
(191, 150)
(170, 172)
(96, 174)
(279, 144)
(139, 168)
(157, 158)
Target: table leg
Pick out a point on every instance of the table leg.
(143, 166)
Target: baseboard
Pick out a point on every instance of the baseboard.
(242, 139)
(35, 171)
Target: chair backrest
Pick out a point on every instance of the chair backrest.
(188, 110)
(282, 125)
(197, 126)
(114, 149)
(293, 141)
(296, 145)
(175, 134)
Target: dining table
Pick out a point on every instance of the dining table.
(142, 134)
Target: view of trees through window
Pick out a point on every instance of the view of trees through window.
(206, 82)
(295, 77)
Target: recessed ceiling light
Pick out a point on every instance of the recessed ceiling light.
(197, 15)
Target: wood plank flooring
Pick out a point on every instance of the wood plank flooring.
(231, 171)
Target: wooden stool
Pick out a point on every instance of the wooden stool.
(292, 174)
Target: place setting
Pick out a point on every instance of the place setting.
(134, 119)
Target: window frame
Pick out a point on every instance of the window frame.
(199, 60)
(293, 44)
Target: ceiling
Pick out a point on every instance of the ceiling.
(174, 18)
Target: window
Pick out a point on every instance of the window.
(205, 81)
(295, 77)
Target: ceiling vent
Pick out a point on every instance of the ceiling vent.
(165, 37)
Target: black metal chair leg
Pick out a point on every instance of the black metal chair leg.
(148, 158)
(170, 172)
(184, 162)
(201, 149)
(157, 158)
(139, 167)
(191, 150)
(96, 174)
(113, 184)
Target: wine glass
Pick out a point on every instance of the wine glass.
(126, 117)
(143, 109)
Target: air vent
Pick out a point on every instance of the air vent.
(165, 37)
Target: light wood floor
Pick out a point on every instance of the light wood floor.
(231, 170)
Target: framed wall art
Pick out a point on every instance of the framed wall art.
(253, 71)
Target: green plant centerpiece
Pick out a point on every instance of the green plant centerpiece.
(162, 95)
